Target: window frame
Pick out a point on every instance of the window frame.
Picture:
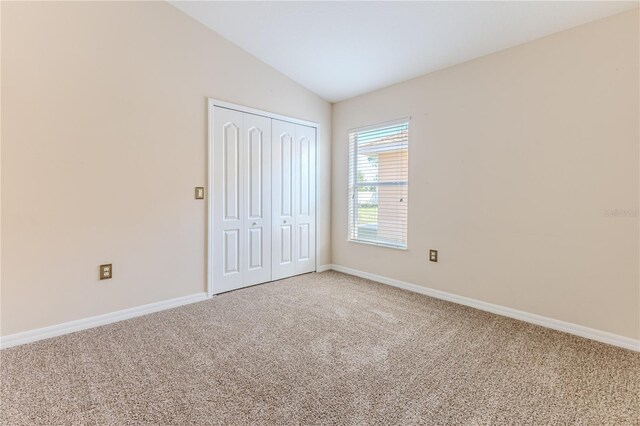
(352, 208)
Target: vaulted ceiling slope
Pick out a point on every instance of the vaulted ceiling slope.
(343, 49)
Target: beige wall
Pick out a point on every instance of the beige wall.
(515, 160)
(104, 138)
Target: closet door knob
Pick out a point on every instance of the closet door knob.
(254, 223)
(284, 221)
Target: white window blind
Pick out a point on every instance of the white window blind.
(379, 184)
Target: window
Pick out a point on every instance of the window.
(378, 184)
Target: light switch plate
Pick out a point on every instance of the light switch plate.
(106, 271)
(199, 192)
(433, 255)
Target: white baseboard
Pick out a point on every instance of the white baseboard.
(322, 268)
(567, 327)
(98, 320)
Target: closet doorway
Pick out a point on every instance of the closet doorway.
(262, 197)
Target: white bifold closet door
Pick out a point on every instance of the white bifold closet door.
(294, 199)
(241, 199)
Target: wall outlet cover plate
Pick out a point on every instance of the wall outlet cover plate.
(106, 271)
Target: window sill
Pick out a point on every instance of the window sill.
(377, 244)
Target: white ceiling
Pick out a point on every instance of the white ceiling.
(343, 49)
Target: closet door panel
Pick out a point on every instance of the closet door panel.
(304, 236)
(284, 199)
(305, 172)
(231, 252)
(286, 244)
(231, 171)
(228, 180)
(257, 196)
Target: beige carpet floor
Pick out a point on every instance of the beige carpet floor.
(319, 349)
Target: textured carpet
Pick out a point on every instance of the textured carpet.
(319, 349)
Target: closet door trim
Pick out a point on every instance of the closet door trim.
(212, 103)
(242, 108)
